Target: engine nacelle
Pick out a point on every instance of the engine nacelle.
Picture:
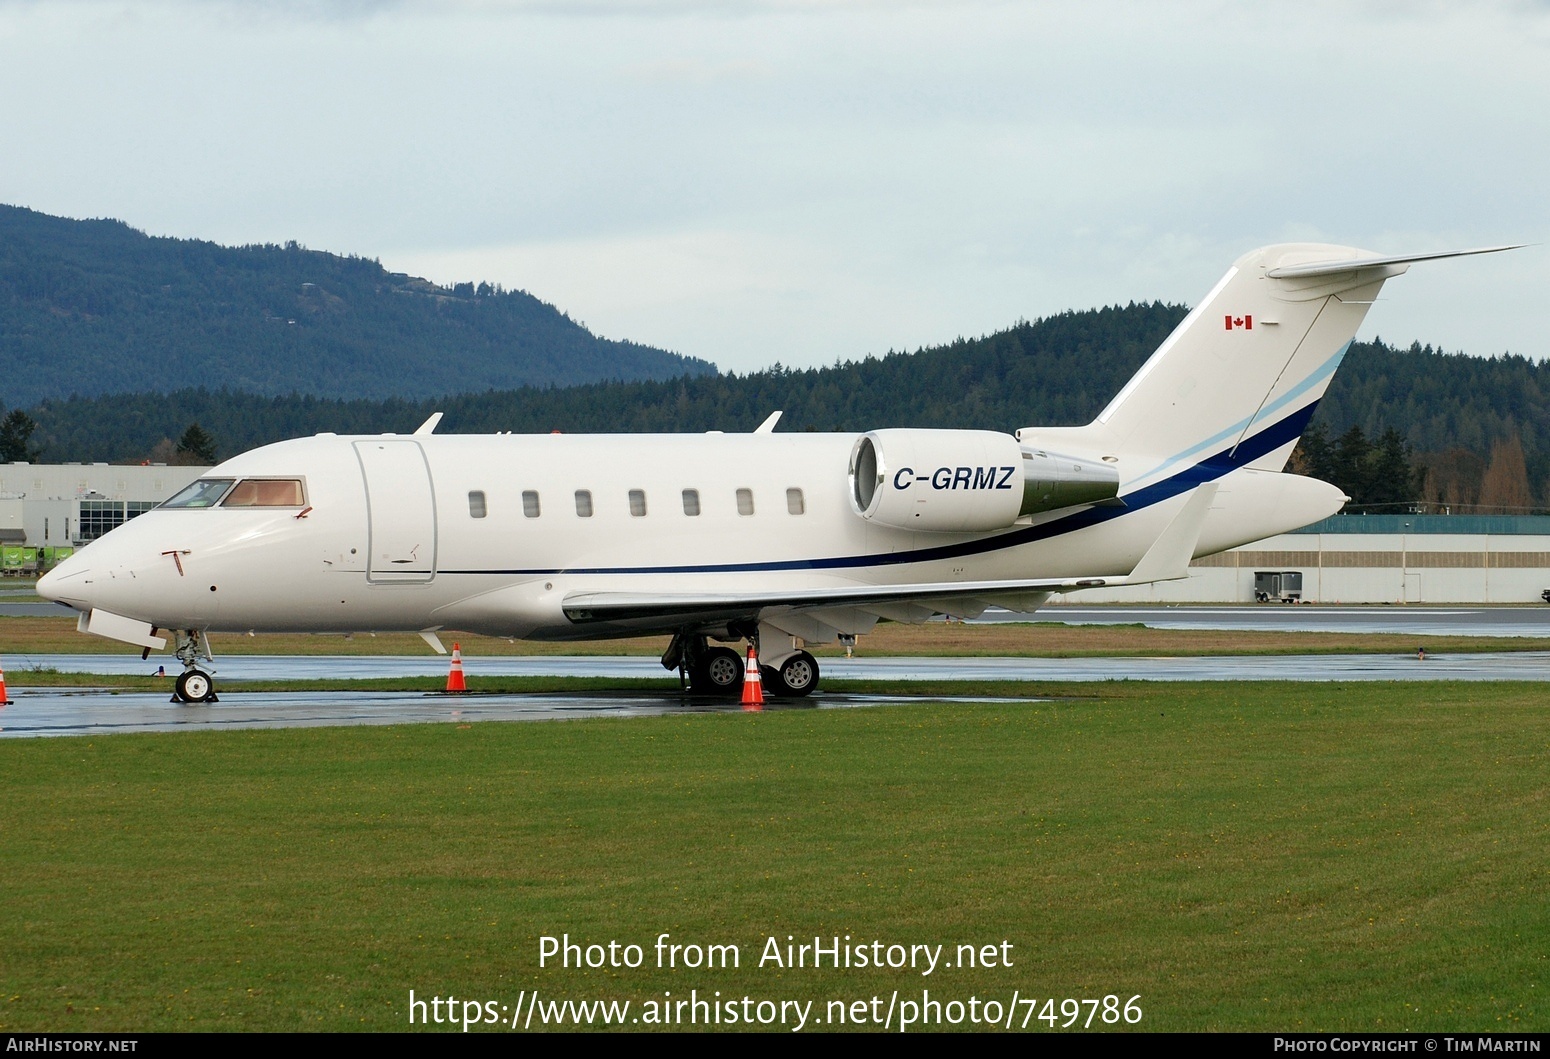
(949, 481)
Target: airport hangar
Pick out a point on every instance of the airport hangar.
(1343, 559)
(1369, 559)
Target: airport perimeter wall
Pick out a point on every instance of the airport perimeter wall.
(1373, 559)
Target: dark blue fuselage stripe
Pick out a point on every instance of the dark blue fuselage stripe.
(1207, 470)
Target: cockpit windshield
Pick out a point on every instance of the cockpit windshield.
(265, 492)
(206, 492)
(249, 492)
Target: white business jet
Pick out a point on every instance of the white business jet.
(778, 539)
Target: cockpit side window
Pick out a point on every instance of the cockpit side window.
(206, 492)
(265, 492)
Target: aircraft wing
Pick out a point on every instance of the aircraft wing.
(628, 607)
(1166, 560)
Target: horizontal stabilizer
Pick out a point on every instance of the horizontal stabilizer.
(1332, 268)
(1168, 557)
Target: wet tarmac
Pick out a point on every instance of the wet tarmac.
(12, 609)
(84, 711)
(101, 711)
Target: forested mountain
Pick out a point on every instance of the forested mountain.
(96, 307)
(1477, 428)
(1398, 425)
(1061, 369)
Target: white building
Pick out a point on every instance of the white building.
(65, 505)
(1371, 559)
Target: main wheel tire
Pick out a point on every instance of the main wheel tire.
(720, 672)
(797, 676)
(194, 686)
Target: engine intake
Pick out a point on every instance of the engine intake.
(950, 481)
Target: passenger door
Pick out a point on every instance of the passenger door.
(401, 511)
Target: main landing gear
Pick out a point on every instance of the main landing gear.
(193, 684)
(718, 670)
(794, 677)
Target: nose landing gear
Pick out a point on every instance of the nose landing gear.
(193, 684)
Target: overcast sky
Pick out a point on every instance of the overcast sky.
(809, 181)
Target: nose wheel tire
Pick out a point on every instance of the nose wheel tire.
(720, 672)
(194, 685)
(797, 676)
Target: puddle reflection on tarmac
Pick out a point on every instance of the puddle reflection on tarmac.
(100, 711)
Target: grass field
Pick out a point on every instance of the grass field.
(1252, 856)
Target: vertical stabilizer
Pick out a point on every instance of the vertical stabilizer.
(1239, 378)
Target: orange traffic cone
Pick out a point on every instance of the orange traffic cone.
(753, 687)
(455, 674)
(4, 699)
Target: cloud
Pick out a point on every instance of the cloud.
(797, 181)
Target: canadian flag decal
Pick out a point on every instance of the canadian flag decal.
(1245, 322)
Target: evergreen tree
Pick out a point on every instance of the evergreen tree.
(196, 446)
(15, 434)
(1312, 455)
(1349, 464)
(1392, 482)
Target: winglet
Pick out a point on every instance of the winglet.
(1168, 557)
(429, 426)
(768, 426)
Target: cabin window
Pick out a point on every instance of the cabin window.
(795, 505)
(584, 503)
(476, 508)
(530, 503)
(745, 501)
(691, 501)
(638, 502)
(206, 492)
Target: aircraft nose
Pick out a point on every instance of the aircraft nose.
(66, 583)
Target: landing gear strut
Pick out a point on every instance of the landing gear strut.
(193, 684)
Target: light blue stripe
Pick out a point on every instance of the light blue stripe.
(1320, 374)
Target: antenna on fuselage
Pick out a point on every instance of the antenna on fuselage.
(768, 426)
(429, 426)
